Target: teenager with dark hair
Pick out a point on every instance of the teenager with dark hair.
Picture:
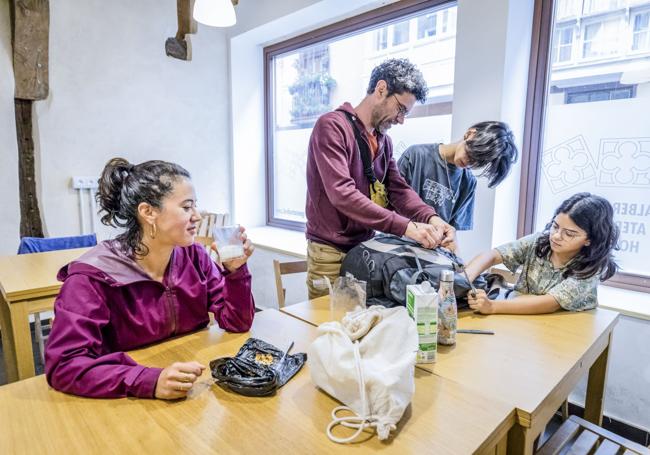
(353, 185)
(561, 266)
(441, 173)
(151, 283)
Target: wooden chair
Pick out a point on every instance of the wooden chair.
(208, 221)
(286, 268)
(577, 436)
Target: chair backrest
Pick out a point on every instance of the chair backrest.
(286, 268)
(507, 275)
(577, 436)
(208, 221)
(40, 245)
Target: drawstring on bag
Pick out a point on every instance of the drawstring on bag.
(356, 421)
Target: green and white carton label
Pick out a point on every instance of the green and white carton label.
(422, 305)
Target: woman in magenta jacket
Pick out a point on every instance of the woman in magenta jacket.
(150, 283)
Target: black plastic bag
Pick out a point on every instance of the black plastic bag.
(258, 369)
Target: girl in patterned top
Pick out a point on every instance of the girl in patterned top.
(561, 266)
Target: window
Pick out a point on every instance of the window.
(400, 33)
(381, 38)
(601, 39)
(307, 78)
(563, 44)
(599, 92)
(427, 25)
(588, 131)
(641, 32)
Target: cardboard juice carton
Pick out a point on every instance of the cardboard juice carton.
(422, 305)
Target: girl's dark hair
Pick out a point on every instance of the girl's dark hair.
(492, 148)
(123, 186)
(595, 216)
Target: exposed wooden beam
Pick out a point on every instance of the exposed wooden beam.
(30, 25)
(30, 215)
(31, 48)
(180, 46)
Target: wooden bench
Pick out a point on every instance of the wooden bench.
(577, 436)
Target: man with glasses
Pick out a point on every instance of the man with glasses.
(353, 185)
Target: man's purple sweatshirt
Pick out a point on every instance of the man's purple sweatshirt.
(339, 210)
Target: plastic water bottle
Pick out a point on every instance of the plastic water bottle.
(447, 312)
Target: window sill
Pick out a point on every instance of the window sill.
(630, 303)
(283, 241)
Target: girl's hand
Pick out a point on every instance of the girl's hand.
(177, 379)
(481, 303)
(234, 263)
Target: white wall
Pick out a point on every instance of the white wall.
(114, 92)
(9, 222)
(254, 13)
(491, 74)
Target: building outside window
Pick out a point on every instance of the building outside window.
(381, 38)
(563, 44)
(401, 33)
(595, 134)
(641, 32)
(568, 8)
(427, 25)
(602, 38)
(599, 92)
(309, 80)
(598, 6)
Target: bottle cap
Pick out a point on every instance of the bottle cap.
(446, 275)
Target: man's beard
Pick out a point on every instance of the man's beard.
(381, 125)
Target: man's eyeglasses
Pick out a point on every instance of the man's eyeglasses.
(402, 110)
(565, 234)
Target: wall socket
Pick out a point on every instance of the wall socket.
(84, 183)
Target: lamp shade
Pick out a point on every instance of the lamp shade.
(216, 13)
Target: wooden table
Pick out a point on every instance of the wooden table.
(444, 418)
(532, 362)
(28, 285)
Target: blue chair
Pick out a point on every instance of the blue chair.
(41, 245)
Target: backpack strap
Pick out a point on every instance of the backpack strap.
(421, 271)
(364, 150)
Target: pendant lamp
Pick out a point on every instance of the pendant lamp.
(215, 13)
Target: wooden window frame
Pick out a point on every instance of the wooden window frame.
(533, 135)
(347, 26)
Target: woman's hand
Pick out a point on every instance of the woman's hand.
(481, 303)
(177, 379)
(234, 263)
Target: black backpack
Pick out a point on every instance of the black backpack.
(388, 264)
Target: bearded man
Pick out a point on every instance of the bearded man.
(353, 185)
